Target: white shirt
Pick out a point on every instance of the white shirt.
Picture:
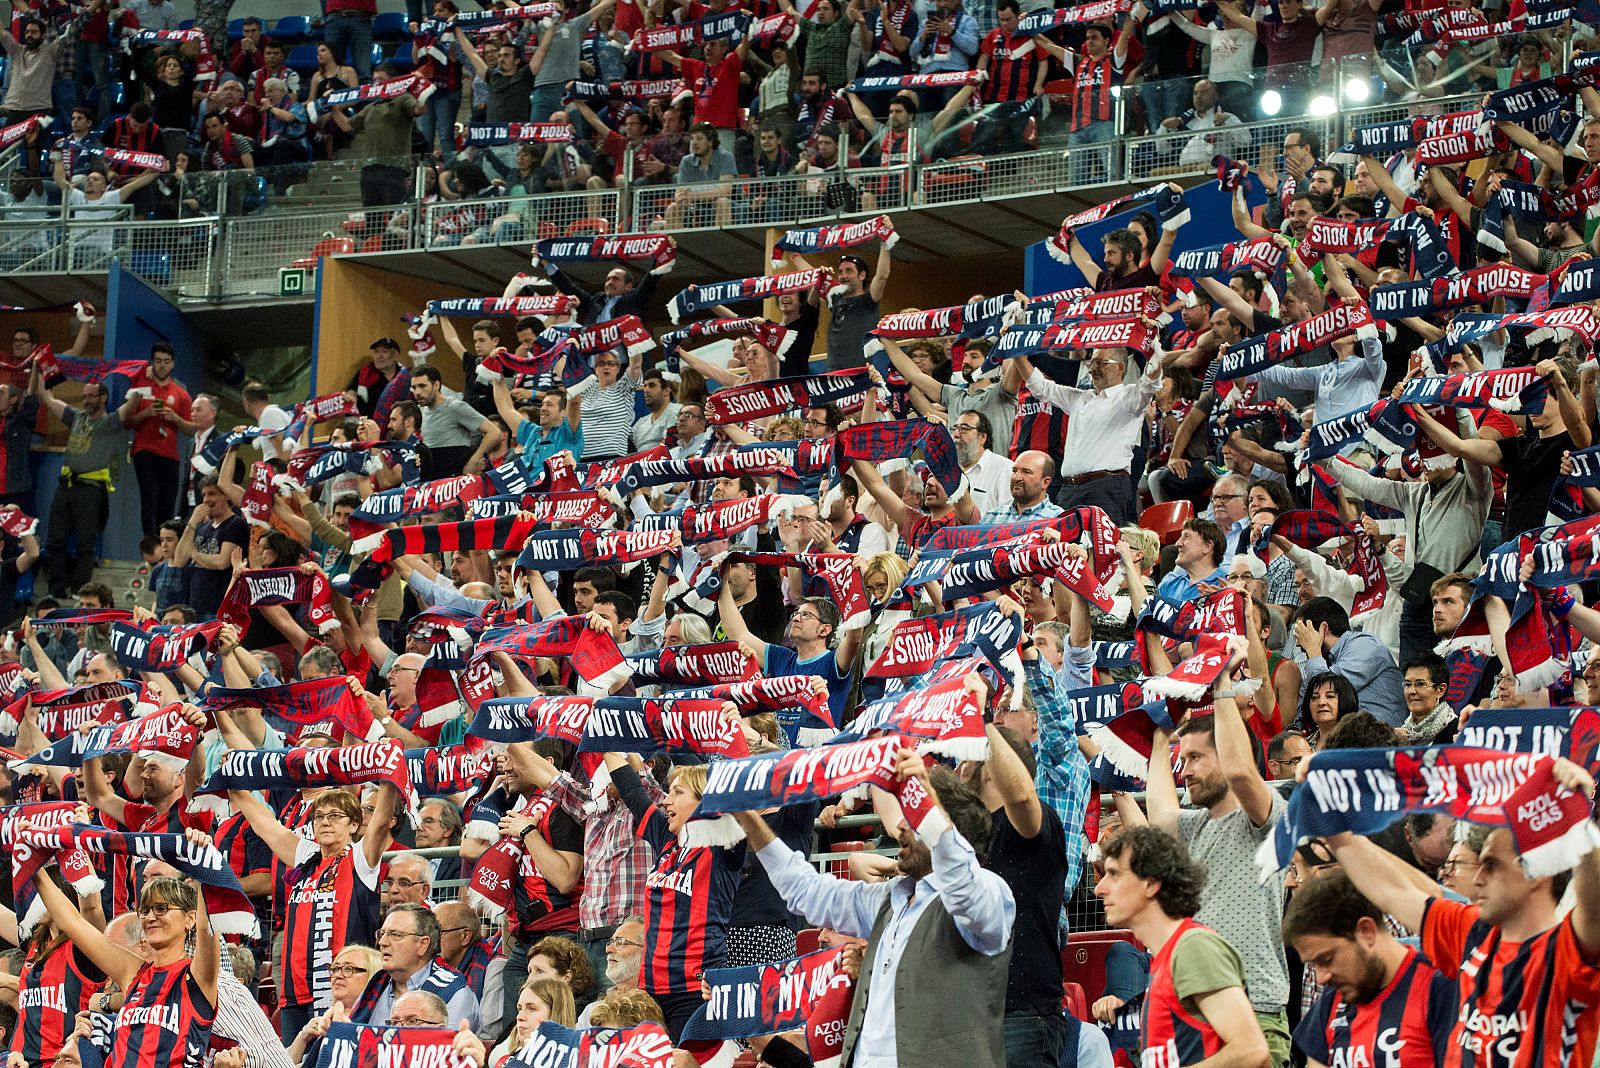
(990, 481)
(274, 418)
(240, 1019)
(1105, 427)
(163, 16)
(649, 429)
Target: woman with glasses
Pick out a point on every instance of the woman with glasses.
(165, 1020)
(331, 888)
(353, 967)
(538, 1000)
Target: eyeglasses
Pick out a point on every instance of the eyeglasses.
(402, 883)
(963, 428)
(413, 1021)
(328, 817)
(806, 615)
(390, 936)
(816, 422)
(1420, 684)
(431, 821)
(615, 941)
(1288, 762)
(342, 970)
(1450, 867)
(453, 930)
(155, 908)
(1227, 496)
(394, 670)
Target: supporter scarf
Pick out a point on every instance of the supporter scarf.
(406, 502)
(205, 68)
(165, 736)
(62, 712)
(572, 550)
(483, 134)
(517, 719)
(1347, 238)
(10, 135)
(1230, 174)
(359, 96)
(450, 769)
(1580, 281)
(1127, 739)
(944, 79)
(1522, 103)
(18, 524)
(304, 769)
(116, 376)
(655, 724)
(982, 318)
(256, 506)
(507, 363)
(698, 298)
(1435, 297)
(207, 459)
(836, 570)
(835, 236)
(26, 859)
(468, 20)
(1365, 790)
(974, 572)
(1254, 355)
(1169, 206)
(1462, 328)
(673, 90)
(1537, 653)
(1571, 733)
(1073, 525)
(355, 1045)
(1579, 319)
(759, 694)
(398, 389)
(1537, 205)
(551, 305)
(318, 410)
(625, 332)
(882, 442)
(1310, 530)
(579, 508)
(1466, 669)
(644, 1045)
(594, 655)
(760, 399)
(1329, 437)
(1384, 139)
(1430, 256)
(723, 520)
(511, 476)
(915, 645)
(719, 663)
(769, 335)
(946, 717)
(82, 617)
(1259, 254)
(302, 703)
(1133, 303)
(793, 461)
(768, 999)
(279, 586)
(1082, 14)
(161, 648)
(1103, 334)
(502, 533)
(659, 250)
(149, 161)
(1221, 612)
(680, 37)
(228, 910)
(1516, 390)
(1112, 655)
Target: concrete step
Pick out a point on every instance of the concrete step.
(129, 581)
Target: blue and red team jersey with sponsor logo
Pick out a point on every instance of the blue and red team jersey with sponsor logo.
(1405, 1026)
(51, 992)
(1530, 1004)
(332, 902)
(165, 1021)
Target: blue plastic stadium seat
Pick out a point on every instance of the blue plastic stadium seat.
(390, 26)
(402, 57)
(236, 29)
(153, 265)
(303, 58)
(291, 28)
(186, 24)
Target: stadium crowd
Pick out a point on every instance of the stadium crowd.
(498, 726)
(521, 100)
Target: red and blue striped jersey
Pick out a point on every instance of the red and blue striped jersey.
(1405, 1026)
(1013, 65)
(688, 899)
(142, 817)
(537, 906)
(293, 814)
(1170, 1035)
(1531, 1004)
(165, 1022)
(247, 855)
(1040, 426)
(332, 901)
(50, 994)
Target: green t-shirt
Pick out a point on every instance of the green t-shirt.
(1202, 962)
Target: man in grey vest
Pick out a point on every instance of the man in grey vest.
(933, 981)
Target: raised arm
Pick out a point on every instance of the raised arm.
(383, 807)
(871, 479)
(1371, 870)
(734, 626)
(506, 407)
(283, 842)
(1233, 745)
(119, 964)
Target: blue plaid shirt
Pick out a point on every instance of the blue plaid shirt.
(1062, 777)
(1043, 508)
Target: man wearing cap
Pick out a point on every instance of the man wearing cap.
(853, 304)
(704, 176)
(368, 383)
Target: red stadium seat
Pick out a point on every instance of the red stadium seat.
(373, 244)
(1166, 520)
(1073, 1001)
(595, 225)
(328, 246)
(1084, 960)
(806, 941)
(841, 868)
(1059, 91)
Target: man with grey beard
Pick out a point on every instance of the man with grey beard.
(988, 473)
(624, 958)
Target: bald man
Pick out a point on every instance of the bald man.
(419, 1008)
(460, 944)
(1030, 491)
(103, 667)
